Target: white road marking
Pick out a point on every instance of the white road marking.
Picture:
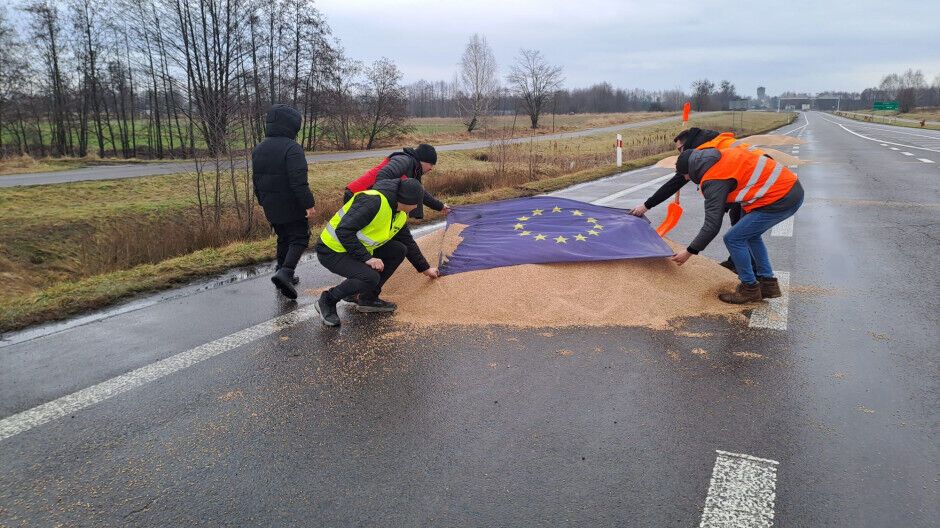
(884, 144)
(783, 229)
(895, 148)
(907, 153)
(741, 493)
(879, 141)
(772, 313)
(69, 404)
(925, 160)
(612, 197)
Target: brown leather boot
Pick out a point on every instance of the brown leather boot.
(744, 293)
(769, 287)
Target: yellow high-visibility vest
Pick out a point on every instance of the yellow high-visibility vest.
(381, 229)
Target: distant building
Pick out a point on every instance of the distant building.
(761, 93)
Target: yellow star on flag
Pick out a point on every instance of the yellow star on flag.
(580, 237)
(592, 220)
(540, 237)
(537, 212)
(598, 226)
(519, 226)
(577, 213)
(525, 233)
(593, 232)
(561, 240)
(556, 209)
(522, 218)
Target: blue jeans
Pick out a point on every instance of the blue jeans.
(743, 241)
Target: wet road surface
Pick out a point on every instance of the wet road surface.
(115, 172)
(288, 423)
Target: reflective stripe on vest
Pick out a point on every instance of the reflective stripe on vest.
(383, 227)
(760, 180)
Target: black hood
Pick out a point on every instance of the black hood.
(389, 188)
(697, 137)
(282, 121)
(408, 151)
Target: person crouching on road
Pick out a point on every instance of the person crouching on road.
(365, 241)
(279, 174)
(768, 192)
(409, 163)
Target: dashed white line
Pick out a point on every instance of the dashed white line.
(884, 144)
(925, 160)
(66, 405)
(783, 229)
(907, 153)
(741, 493)
(773, 313)
(895, 148)
(879, 141)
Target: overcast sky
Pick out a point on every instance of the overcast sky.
(799, 45)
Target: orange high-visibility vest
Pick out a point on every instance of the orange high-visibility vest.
(727, 140)
(761, 180)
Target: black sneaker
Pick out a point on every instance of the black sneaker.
(327, 311)
(352, 299)
(284, 281)
(728, 264)
(375, 305)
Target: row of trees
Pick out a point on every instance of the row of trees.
(168, 78)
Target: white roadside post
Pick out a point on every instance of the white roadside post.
(619, 150)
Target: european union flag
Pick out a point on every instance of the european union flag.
(545, 229)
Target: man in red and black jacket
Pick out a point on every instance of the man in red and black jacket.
(409, 163)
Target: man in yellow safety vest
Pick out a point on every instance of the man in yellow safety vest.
(365, 241)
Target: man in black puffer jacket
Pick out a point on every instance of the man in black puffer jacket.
(280, 177)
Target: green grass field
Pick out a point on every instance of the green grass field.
(439, 131)
(71, 247)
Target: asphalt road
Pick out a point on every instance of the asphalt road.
(137, 170)
(229, 407)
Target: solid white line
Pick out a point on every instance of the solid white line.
(612, 197)
(66, 405)
(783, 229)
(741, 493)
(773, 312)
(925, 160)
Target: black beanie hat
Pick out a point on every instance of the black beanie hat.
(410, 192)
(426, 153)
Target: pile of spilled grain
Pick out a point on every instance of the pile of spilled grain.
(639, 292)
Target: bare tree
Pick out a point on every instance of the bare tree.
(383, 106)
(701, 94)
(13, 70)
(47, 30)
(476, 82)
(534, 81)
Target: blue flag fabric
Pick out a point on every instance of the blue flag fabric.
(546, 229)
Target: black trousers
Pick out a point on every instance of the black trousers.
(292, 239)
(360, 278)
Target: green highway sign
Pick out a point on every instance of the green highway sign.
(885, 105)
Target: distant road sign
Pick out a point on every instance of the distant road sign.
(885, 105)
